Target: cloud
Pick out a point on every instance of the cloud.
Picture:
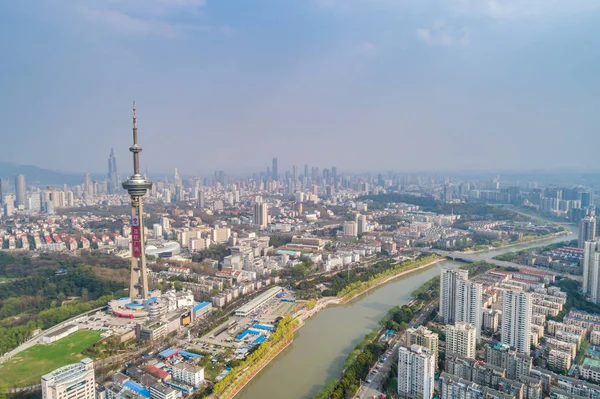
(366, 49)
(123, 23)
(494, 9)
(441, 35)
(146, 17)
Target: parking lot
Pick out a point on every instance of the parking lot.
(106, 323)
(225, 334)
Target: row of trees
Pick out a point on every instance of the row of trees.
(468, 211)
(12, 336)
(366, 281)
(284, 332)
(357, 368)
(33, 294)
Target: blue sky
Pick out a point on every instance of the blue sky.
(404, 85)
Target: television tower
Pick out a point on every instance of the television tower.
(137, 186)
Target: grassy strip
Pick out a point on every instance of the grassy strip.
(27, 367)
(359, 286)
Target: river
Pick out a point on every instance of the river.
(322, 345)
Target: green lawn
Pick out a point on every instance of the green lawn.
(27, 367)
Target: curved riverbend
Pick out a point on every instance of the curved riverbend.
(321, 346)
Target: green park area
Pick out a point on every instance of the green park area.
(27, 367)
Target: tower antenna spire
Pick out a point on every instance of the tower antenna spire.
(137, 186)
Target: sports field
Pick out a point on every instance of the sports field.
(27, 367)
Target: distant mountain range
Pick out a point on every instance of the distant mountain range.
(41, 177)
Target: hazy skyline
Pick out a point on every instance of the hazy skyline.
(405, 85)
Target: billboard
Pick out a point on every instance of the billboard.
(136, 244)
(186, 318)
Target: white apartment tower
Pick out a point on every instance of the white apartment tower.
(516, 320)
(75, 381)
(261, 215)
(591, 270)
(422, 336)
(448, 287)
(416, 371)
(587, 230)
(461, 339)
(468, 304)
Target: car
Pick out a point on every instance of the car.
(368, 381)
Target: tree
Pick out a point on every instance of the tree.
(299, 270)
(178, 285)
(85, 295)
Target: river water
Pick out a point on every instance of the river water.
(321, 346)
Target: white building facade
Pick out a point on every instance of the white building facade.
(75, 381)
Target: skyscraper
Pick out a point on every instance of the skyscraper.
(461, 339)
(448, 285)
(362, 224)
(137, 186)
(591, 270)
(20, 190)
(587, 230)
(516, 320)
(416, 371)
(177, 182)
(75, 381)
(4, 189)
(261, 215)
(587, 199)
(88, 186)
(468, 304)
(275, 169)
(113, 180)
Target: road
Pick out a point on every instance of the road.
(374, 388)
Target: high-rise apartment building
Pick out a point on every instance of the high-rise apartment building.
(261, 215)
(4, 189)
(275, 169)
(587, 230)
(350, 229)
(591, 270)
(362, 224)
(448, 286)
(587, 199)
(75, 381)
(461, 339)
(423, 337)
(468, 304)
(20, 191)
(517, 365)
(416, 371)
(516, 320)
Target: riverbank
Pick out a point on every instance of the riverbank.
(264, 364)
(515, 244)
(231, 392)
(388, 279)
(325, 302)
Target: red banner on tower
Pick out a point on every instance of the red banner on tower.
(136, 243)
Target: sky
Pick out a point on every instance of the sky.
(365, 85)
